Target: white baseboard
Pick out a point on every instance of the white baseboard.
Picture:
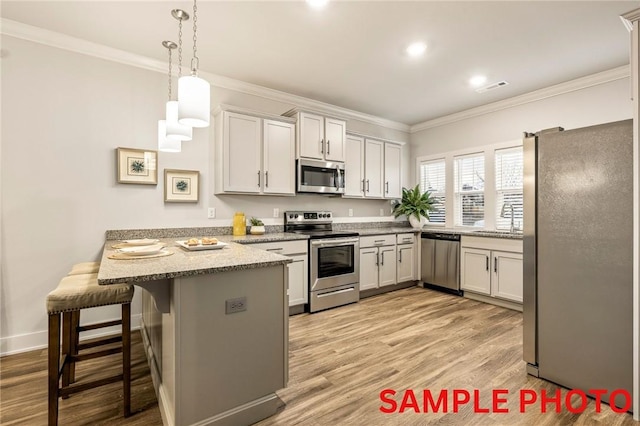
(39, 340)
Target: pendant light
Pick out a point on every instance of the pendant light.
(174, 130)
(194, 93)
(164, 144)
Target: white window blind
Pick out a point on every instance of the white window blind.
(468, 174)
(509, 187)
(432, 178)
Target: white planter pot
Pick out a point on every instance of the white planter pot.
(257, 230)
(417, 224)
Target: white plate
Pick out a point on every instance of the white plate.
(142, 250)
(201, 246)
(141, 242)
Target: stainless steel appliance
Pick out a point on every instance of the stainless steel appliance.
(440, 261)
(578, 234)
(320, 177)
(334, 259)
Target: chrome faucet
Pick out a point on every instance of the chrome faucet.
(504, 207)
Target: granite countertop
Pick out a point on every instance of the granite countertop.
(384, 231)
(184, 263)
(473, 233)
(266, 238)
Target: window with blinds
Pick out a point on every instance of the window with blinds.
(468, 209)
(509, 187)
(432, 179)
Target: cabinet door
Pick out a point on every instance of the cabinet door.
(406, 255)
(368, 268)
(392, 173)
(354, 167)
(278, 164)
(298, 281)
(311, 136)
(335, 135)
(475, 274)
(387, 266)
(241, 153)
(507, 276)
(373, 154)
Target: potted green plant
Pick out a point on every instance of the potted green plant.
(415, 205)
(257, 226)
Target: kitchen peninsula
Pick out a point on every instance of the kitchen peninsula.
(211, 362)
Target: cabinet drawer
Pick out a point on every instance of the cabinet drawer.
(378, 240)
(284, 247)
(407, 238)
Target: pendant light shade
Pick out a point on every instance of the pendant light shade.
(194, 101)
(175, 130)
(164, 144)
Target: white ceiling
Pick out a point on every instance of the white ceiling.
(351, 53)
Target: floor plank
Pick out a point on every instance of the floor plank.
(340, 360)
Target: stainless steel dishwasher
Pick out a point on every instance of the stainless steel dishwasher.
(440, 261)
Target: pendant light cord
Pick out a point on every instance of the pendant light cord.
(169, 49)
(195, 62)
(179, 49)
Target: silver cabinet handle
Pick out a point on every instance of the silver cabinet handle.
(387, 185)
(377, 259)
(275, 249)
(486, 263)
(382, 256)
(400, 260)
(321, 146)
(266, 179)
(495, 264)
(367, 185)
(362, 185)
(328, 147)
(258, 178)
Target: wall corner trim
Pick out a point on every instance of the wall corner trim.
(62, 41)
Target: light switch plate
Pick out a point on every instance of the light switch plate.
(350, 212)
(381, 212)
(211, 213)
(276, 212)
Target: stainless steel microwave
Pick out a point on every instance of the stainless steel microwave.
(320, 176)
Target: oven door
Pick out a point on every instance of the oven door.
(320, 177)
(334, 262)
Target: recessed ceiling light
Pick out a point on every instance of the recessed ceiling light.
(416, 49)
(477, 80)
(317, 4)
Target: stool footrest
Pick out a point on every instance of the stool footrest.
(100, 342)
(71, 389)
(99, 325)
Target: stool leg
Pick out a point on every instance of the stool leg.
(75, 340)
(66, 348)
(126, 357)
(54, 366)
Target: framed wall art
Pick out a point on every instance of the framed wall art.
(181, 186)
(137, 166)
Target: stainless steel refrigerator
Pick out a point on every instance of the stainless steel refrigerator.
(578, 235)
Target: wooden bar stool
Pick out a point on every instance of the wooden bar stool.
(84, 268)
(74, 293)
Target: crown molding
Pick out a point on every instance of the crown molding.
(537, 95)
(54, 39)
(632, 15)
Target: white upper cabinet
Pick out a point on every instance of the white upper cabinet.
(321, 138)
(279, 144)
(392, 170)
(253, 154)
(373, 168)
(354, 167)
(241, 152)
(335, 135)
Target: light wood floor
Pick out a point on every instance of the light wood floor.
(340, 360)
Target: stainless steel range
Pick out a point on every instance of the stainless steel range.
(334, 259)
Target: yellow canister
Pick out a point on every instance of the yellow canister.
(239, 224)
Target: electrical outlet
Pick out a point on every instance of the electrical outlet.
(211, 214)
(276, 212)
(381, 212)
(238, 304)
(350, 212)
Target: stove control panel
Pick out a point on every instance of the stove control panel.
(316, 216)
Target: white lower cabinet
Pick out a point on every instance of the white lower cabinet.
(298, 268)
(492, 267)
(406, 263)
(377, 261)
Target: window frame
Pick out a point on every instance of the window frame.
(436, 194)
